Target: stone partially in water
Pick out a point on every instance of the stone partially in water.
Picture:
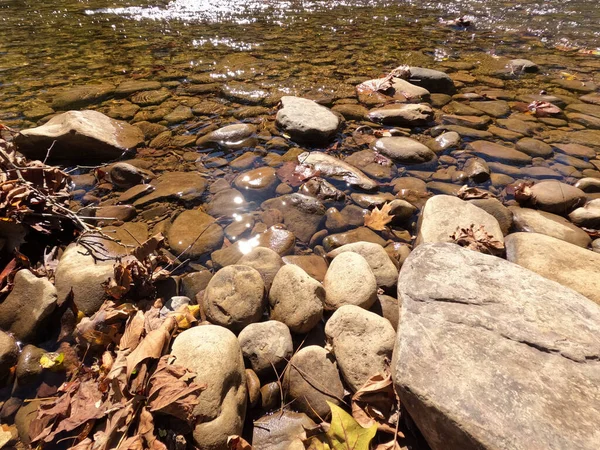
(260, 181)
(132, 86)
(404, 150)
(331, 167)
(555, 197)
(307, 121)
(79, 136)
(503, 336)
(432, 80)
(410, 115)
(496, 152)
(534, 148)
(184, 186)
(523, 65)
(80, 96)
(196, 229)
(230, 137)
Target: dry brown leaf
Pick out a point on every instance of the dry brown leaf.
(376, 403)
(148, 247)
(469, 193)
(379, 218)
(236, 442)
(478, 240)
(152, 346)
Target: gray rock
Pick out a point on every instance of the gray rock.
(432, 80)
(214, 354)
(24, 311)
(196, 229)
(311, 380)
(555, 197)
(307, 121)
(411, 115)
(349, 281)
(266, 345)
(534, 221)
(330, 167)
(234, 297)
(362, 343)
(279, 431)
(403, 150)
(444, 214)
(266, 261)
(588, 215)
(296, 299)
(557, 260)
(381, 265)
(79, 136)
(302, 214)
(523, 65)
(9, 353)
(502, 359)
(173, 304)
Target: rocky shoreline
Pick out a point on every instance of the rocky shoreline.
(425, 233)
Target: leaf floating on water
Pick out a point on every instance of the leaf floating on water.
(478, 240)
(469, 193)
(296, 174)
(345, 433)
(543, 109)
(379, 218)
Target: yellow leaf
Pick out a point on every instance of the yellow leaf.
(52, 360)
(379, 218)
(314, 443)
(345, 433)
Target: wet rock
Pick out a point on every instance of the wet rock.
(444, 141)
(355, 235)
(410, 115)
(125, 176)
(531, 220)
(362, 343)
(443, 215)
(185, 186)
(185, 230)
(279, 431)
(179, 114)
(79, 96)
(115, 213)
(432, 80)
(477, 170)
(227, 203)
(79, 135)
(313, 265)
(24, 417)
(386, 274)
(504, 134)
(234, 297)
(195, 282)
(585, 137)
(464, 132)
(321, 190)
(520, 126)
(349, 281)
(266, 345)
(28, 305)
(588, 185)
(330, 167)
(266, 261)
(576, 85)
(9, 353)
(523, 66)
(307, 121)
(371, 200)
(245, 93)
(587, 216)
(214, 354)
(149, 129)
(28, 367)
(311, 393)
(495, 108)
(372, 163)
(230, 137)
(491, 151)
(457, 338)
(302, 214)
(270, 395)
(296, 299)
(477, 122)
(132, 86)
(351, 112)
(403, 150)
(135, 192)
(555, 197)
(259, 182)
(573, 162)
(149, 98)
(494, 207)
(534, 148)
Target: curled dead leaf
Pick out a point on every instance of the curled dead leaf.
(478, 239)
(378, 218)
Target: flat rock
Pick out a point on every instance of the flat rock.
(557, 260)
(555, 197)
(534, 221)
(197, 230)
(496, 152)
(132, 86)
(534, 148)
(443, 215)
(80, 96)
(355, 235)
(230, 137)
(80, 136)
(403, 150)
(302, 214)
(432, 80)
(183, 186)
(588, 215)
(513, 365)
(411, 115)
(214, 354)
(330, 167)
(280, 431)
(307, 121)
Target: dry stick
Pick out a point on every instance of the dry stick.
(48, 152)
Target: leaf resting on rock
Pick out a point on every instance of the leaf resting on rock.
(379, 218)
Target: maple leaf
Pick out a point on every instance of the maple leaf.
(345, 433)
(379, 218)
(478, 239)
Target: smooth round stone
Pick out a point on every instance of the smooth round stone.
(461, 109)
(307, 121)
(259, 180)
(588, 185)
(477, 122)
(372, 164)
(185, 231)
(404, 150)
(523, 65)
(534, 148)
(556, 197)
(349, 281)
(573, 162)
(444, 141)
(408, 184)
(231, 137)
(587, 216)
(372, 200)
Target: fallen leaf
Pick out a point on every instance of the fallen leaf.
(236, 442)
(478, 240)
(391, 445)
(152, 346)
(468, 193)
(376, 403)
(377, 219)
(148, 247)
(345, 433)
(52, 360)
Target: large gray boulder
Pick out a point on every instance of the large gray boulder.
(492, 356)
(214, 354)
(557, 260)
(307, 121)
(80, 136)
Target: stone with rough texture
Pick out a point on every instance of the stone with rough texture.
(185, 230)
(331, 167)
(279, 431)
(557, 260)
(307, 121)
(523, 65)
(9, 353)
(312, 380)
(382, 266)
(494, 207)
(534, 221)
(349, 281)
(234, 297)
(266, 261)
(362, 343)
(403, 150)
(266, 344)
(28, 305)
(79, 136)
(498, 359)
(444, 214)
(296, 299)
(214, 354)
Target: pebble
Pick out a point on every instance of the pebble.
(267, 346)
(349, 281)
(403, 150)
